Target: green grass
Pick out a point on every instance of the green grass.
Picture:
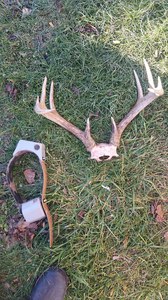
(116, 222)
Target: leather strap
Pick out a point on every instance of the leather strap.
(17, 156)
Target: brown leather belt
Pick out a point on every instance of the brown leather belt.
(36, 208)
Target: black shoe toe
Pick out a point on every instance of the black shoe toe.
(51, 285)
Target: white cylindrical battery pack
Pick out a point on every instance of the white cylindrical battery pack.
(32, 210)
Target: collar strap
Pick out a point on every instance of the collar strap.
(37, 208)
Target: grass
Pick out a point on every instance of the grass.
(117, 251)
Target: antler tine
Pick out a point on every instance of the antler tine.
(90, 141)
(159, 84)
(87, 128)
(114, 139)
(43, 94)
(149, 75)
(139, 86)
(40, 106)
(52, 105)
(37, 104)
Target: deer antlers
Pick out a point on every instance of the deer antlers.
(101, 151)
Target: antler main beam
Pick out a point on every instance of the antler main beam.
(53, 115)
(142, 102)
(101, 151)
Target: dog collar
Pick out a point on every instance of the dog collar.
(34, 209)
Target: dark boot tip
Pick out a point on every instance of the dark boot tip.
(51, 285)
